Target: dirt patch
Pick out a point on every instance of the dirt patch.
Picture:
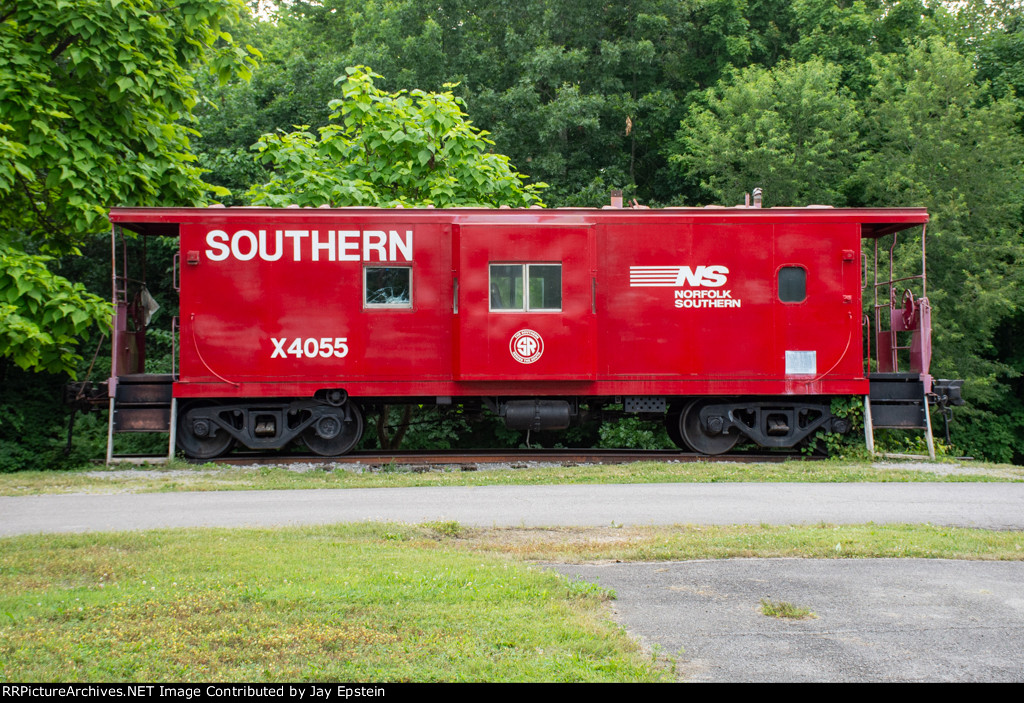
(944, 469)
(565, 544)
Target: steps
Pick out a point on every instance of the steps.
(897, 401)
(141, 403)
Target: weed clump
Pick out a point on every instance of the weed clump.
(782, 609)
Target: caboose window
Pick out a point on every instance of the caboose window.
(545, 287)
(387, 286)
(792, 284)
(506, 287)
(542, 292)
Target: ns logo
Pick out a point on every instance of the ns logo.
(677, 276)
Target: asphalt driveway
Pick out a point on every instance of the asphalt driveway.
(878, 620)
(997, 506)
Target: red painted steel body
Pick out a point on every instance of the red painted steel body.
(253, 281)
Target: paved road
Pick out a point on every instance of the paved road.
(879, 620)
(992, 505)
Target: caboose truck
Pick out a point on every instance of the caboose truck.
(731, 323)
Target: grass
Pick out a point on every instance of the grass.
(348, 603)
(185, 477)
(369, 602)
(682, 542)
(782, 609)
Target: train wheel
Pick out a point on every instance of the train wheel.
(331, 435)
(198, 436)
(701, 440)
(672, 425)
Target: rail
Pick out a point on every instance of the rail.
(468, 458)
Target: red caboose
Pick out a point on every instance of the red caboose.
(732, 322)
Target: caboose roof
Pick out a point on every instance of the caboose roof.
(874, 222)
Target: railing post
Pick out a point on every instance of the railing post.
(869, 430)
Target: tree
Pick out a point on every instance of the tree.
(390, 150)
(1001, 61)
(96, 100)
(96, 103)
(935, 139)
(291, 86)
(790, 130)
(42, 315)
(582, 93)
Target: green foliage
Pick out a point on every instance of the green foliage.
(994, 435)
(427, 428)
(96, 100)
(291, 86)
(43, 316)
(33, 424)
(785, 609)
(911, 442)
(593, 89)
(935, 142)
(849, 445)
(554, 81)
(634, 433)
(390, 150)
(1001, 61)
(791, 130)
(444, 528)
(439, 427)
(997, 432)
(849, 35)
(95, 111)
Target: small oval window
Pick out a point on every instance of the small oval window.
(792, 284)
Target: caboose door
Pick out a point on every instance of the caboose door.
(524, 302)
